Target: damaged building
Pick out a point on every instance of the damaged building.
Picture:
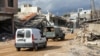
(31, 16)
(7, 9)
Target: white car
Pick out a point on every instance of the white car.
(29, 38)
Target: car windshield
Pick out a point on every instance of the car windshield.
(20, 34)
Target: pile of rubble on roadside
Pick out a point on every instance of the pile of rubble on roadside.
(78, 47)
(6, 36)
(82, 49)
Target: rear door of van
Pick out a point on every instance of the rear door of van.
(28, 36)
(24, 37)
(20, 36)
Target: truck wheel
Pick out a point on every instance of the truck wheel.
(18, 49)
(62, 38)
(36, 47)
(55, 39)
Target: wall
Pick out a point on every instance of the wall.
(94, 27)
(82, 14)
(7, 9)
(29, 9)
(85, 13)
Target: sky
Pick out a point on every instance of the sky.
(60, 7)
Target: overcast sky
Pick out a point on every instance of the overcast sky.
(60, 7)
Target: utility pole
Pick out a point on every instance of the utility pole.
(93, 10)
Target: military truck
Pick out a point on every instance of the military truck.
(54, 33)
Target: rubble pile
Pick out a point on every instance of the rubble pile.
(82, 49)
(35, 21)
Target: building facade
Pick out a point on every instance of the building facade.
(8, 6)
(7, 9)
(28, 8)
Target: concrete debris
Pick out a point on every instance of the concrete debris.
(5, 37)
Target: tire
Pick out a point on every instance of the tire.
(55, 39)
(45, 45)
(36, 47)
(18, 49)
(62, 38)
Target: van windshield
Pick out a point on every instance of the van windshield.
(20, 34)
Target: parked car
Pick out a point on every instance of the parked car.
(29, 38)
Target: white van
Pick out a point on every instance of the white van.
(29, 38)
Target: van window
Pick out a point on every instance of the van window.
(20, 34)
(28, 34)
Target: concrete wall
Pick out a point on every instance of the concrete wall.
(94, 27)
(7, 9)
(29, 9)
(83, 14)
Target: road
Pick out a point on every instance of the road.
(8, 49)
(54, 48)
